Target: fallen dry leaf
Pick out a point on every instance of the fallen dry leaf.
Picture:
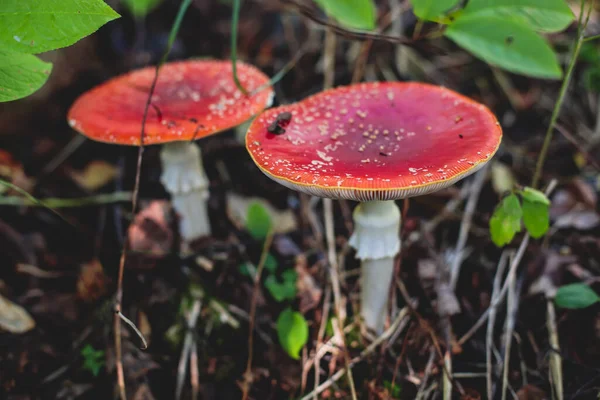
(14, 318)
(308, 289)
(95, 175)
(578, 219)
(150, 232)
(530, 392)
(92, 281)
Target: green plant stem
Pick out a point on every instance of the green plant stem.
(563, 90)
(55, 202)
(235, 17)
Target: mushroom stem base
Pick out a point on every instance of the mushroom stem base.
(184, 178)
(377, 241)
(376, 278)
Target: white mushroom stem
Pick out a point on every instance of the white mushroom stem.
(184, 178)
(377, 241)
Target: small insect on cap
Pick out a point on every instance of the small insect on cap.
(192, 99)
(374, 141)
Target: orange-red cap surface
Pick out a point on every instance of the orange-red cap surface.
(374, 141)
(192, 99)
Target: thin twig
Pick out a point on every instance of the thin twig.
(350, 34)
(55, 202)
(320, 335)
(555, 358)
(235, 16)
(119, 295)
(489, 342)
(465, 226)
(335, 283)
(512, 303)
(253, 302)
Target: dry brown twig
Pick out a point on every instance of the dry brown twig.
(261, 264)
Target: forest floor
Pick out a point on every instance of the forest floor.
(59, 269)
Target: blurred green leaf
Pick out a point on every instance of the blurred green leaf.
(93, 360)
(505, 43)
(21, 74)
(271, 263)
(284, 290)
(591, 79)
(506, 220)
(541, 15)
(141, 8)
(575, 295)
(536, 218)
(292, 331)
(355, 14)
(534, 196)
(590, 52)
(258, 221)
(34, 26)
(430, 9)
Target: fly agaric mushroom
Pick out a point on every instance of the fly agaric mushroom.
(374, 143)
(192, 99)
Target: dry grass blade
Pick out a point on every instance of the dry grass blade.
(491, 320)
(261, 265)
(188, 345)
(555, 358)
(404, 313)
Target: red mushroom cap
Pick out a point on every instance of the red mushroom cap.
(192, 99)
(374, 141)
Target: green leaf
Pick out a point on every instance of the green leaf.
(271, 263)
(258, 221)
(292, 331)
(508, 44)
(506, 220)
(536, 217)
(21, 75)
(534, 196)
(575, 295)
(355, 14)
(34, 26)
(285, 290)
(141, 8)
(430, 9)
(541, 15)
(93, 360)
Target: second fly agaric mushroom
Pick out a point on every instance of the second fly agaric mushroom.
(374, 143)
(192, 99)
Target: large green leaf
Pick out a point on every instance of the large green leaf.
(536, 218)
(356, 14)
(35, 26)
(430, 9)
(292, 331)
(506, 220)
(506, 43)
(541, 15)
(21, 75)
